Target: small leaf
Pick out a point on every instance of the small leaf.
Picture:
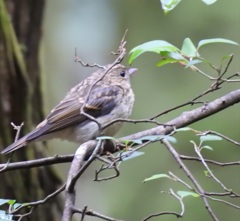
(170, 139)
(193, 62)
(188, 48)
(4, 216)
(3, 201)
(156, 176)
(8, 201)
(168, 5)
(207, 147)
(171, 57)
(156, 46)
(11, 202)
(183, 194)
(131, 156)
(127, 142)
(16, 205)
(209, 2)
(206, 173)
(166, 61)
(215, 40)
(176, 56)
(210, 138)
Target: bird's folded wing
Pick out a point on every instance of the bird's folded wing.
(101, 101)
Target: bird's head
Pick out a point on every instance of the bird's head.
(120, 73)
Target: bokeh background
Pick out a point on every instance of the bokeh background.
(95, 28)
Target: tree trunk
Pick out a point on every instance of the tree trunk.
(21, 101)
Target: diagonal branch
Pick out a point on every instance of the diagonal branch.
(185, 119)
(189, 117)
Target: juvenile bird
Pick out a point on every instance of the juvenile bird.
(103, 97)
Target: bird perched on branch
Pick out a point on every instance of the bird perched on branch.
(103, 97)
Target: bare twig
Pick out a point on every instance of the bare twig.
(36, 163)
(180, 200)
(77, 59)
(189, 117)
(224, 201)
(93, 214)
(192, 158)
(196, 148)
(191, 177)
(227, 66)
(161, 214)
(18, 129)
(220, 135)
(40, 202)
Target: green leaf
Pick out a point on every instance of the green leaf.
(156, 46)
(11, 202)
(170, 139)
(210, 138)
(188, 48)
(193, 62)
(3, 201)
(16, 205)
(170, 57)
(156, 176)
(209, 2)
(131, 156)
(207, 147)
(127, 142)
(206, 173)
(183, 194)
(8, 201)
(4, 216)
(215, 40)
(168, 5)
(176, 56)
(154, 138)
(166, 61)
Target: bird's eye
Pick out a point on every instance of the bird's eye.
(122, 73)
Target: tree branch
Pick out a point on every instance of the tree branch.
(189, 117)
(185, 119)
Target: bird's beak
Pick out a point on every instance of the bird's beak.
(132, 70)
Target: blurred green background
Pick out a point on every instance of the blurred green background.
(95, 28)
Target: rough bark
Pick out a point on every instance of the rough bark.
(21, 101)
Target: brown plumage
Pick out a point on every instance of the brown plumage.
(110, 98)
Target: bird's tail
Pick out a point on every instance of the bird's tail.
(16, 145)
(19, 143)
(34, 135)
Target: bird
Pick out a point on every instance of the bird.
(104, 96)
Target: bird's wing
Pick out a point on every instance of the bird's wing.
(101, 101)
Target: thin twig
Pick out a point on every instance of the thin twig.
(196, 148)
(236, 163)
(191, 177)
(161, 214)
(18, 129)
(40, 202)
(220, 135)
(94, 214)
